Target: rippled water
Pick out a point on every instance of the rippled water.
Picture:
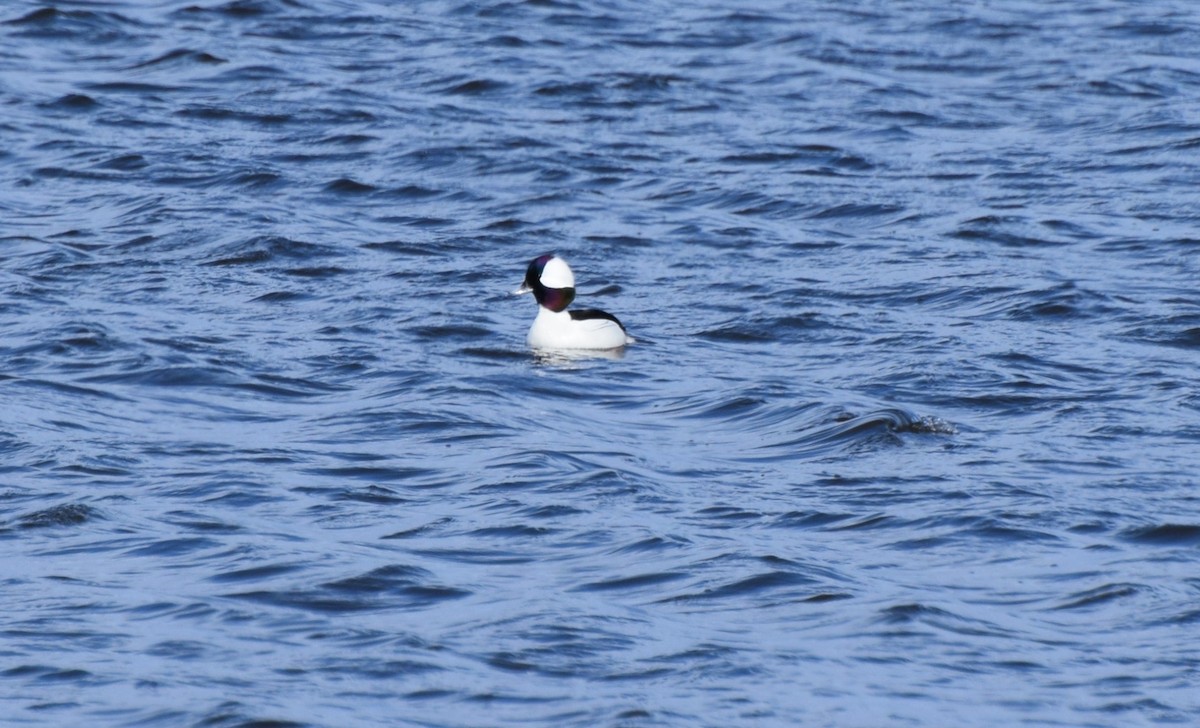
(909, 436)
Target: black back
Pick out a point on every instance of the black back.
(584, 314)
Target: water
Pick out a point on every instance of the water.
(909, 436)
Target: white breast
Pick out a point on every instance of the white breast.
(552, 330)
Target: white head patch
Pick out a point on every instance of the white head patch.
(557, 274)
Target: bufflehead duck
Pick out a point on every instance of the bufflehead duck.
(552, 283)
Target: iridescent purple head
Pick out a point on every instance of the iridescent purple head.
(551, 281)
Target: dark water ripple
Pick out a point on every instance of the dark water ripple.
(910, 435)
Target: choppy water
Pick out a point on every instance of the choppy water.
(910, 436)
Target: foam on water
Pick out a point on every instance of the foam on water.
(909, 435)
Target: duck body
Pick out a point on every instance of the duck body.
(583, 329)
(552, 283)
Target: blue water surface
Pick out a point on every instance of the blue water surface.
(910, 435)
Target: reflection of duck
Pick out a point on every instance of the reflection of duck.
(552, 283)
(568, 358)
